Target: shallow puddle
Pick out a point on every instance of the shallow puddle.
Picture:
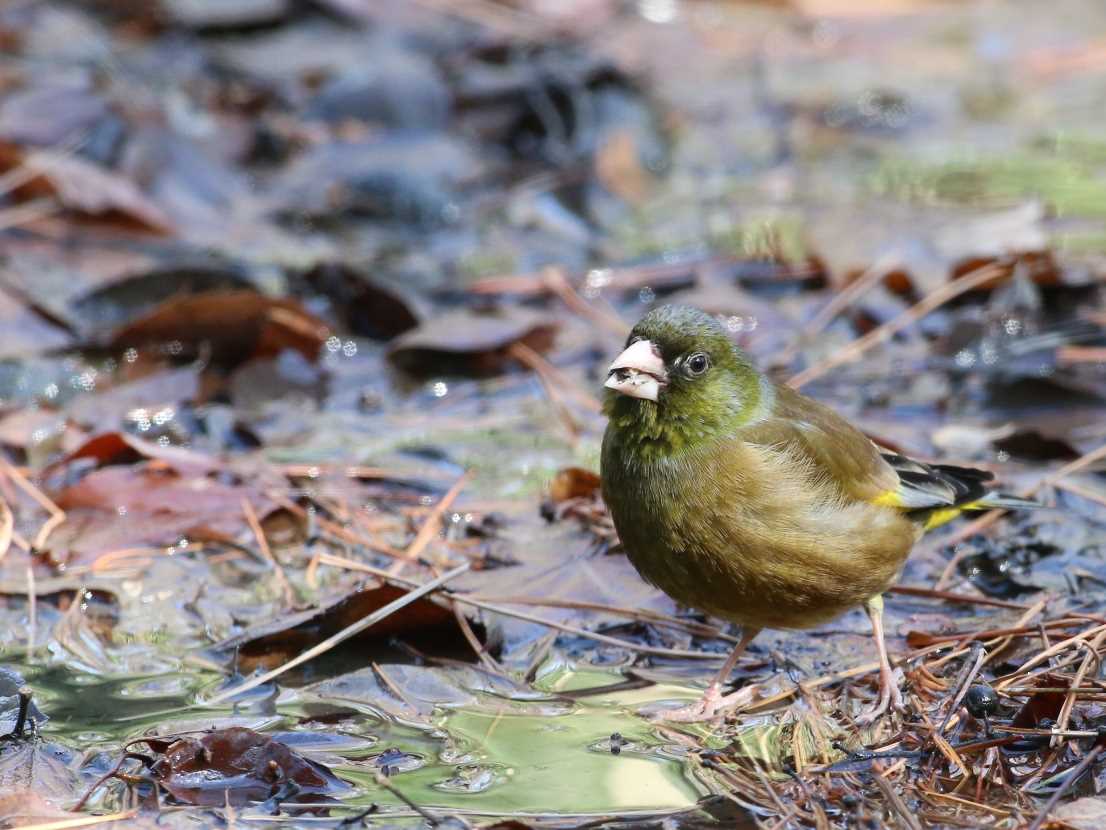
(551, 755)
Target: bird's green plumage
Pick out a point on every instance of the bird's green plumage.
(743, 498)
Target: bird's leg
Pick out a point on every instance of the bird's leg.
(889, 694)
(713, 701)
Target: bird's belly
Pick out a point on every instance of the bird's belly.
(773, 574)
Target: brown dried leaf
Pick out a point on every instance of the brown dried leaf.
(573, 483)
(84, 187)
(236, 325)
(236, 766)
(149, 504)
(618, 166)
(471, 342)
(424, 623)
(109, 448)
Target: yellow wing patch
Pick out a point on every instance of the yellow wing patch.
(935, 518)
(889, 499)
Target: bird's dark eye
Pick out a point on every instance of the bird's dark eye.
(697, 364)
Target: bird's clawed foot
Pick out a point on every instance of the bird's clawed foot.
(890, 697)
(709, 706)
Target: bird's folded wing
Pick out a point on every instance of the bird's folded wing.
(825, 445)
(923, 486)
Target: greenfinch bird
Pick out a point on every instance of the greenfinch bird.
(754, 503)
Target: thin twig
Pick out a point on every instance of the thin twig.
(557, 283)
(7, 528)
(1092, 656)
(266, 551)
(980, 654)
(839, 302)
(932, 301)
(896, 802)
(343, 635)
(1068, 783)
(82, 821)
(430, 527)
(353, 565)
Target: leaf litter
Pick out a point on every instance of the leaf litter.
(299, 405)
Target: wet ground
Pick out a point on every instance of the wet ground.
(295, 292)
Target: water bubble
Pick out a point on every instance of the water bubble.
(596, 280)
(130, 355)
(51, 391)
(439, 389)
(121, 509)
(1013, 326)
(965, 358)
(657, 11)
(646, 295)
(333, 343)
(349, 348)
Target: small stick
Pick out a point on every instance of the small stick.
(25, 695)
(349, 631)
(430, 527)
(932, 301)
(556, 281)
(83, 821)
(980, 654)
(544, 368)
(350, 564)
(7, 528)
(951, 596)
(838, 303)
(263, 545)
(427, 816)
(1074, 776)
(896, 802)
(25, 484)
(1063, 645)
(1092, 656)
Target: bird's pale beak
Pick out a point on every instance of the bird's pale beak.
(638, 372)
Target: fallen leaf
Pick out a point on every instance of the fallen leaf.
(160, 392)
(147, 504)
(235, 325)
(83, 187)
(618, 166)
(22, 809)
(424, 623)
(29, 765)
(1087, 813)
(236, 766)
(39, 431)
(573, 483)
(471, 342)
(109, 448)
(218, 15)
(364, 306)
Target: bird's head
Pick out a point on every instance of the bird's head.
(680, 371)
